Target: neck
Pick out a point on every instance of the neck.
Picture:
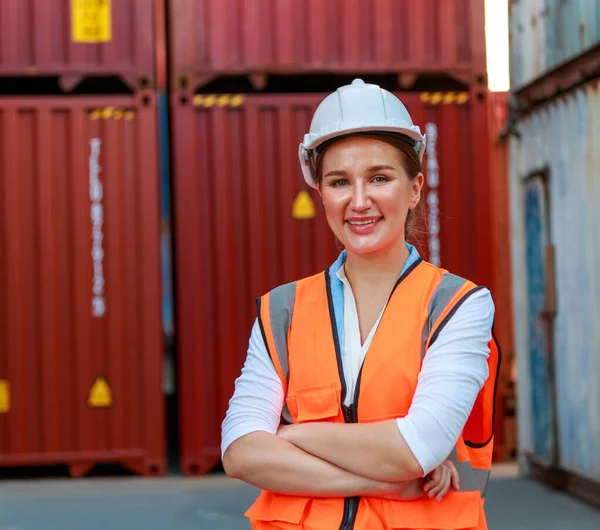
(376, 268)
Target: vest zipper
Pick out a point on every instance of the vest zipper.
(350, 413)
(350, 503)
(350, 508)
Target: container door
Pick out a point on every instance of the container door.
(539, 270)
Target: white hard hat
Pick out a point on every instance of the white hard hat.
(354, 108)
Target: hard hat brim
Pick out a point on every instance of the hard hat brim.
(306, 150)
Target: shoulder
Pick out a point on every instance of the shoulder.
(448, 277)
(479, 299)
(458, 302)
(288, 289)
(431, 267)
(315, 280)
(471, 317)
(469, 296)
(430, 275)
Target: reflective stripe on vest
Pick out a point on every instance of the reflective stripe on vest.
(274, 314)
(471, 479)
(444, 292)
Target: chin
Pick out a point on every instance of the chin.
(366, 247)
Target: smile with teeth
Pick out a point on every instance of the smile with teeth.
(359, 223)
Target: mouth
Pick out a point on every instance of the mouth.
(363, 222)
(363, 226)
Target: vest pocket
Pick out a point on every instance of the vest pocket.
(275, 511)
(455, 511)
(314, 403)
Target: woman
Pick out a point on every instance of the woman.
(362, 432)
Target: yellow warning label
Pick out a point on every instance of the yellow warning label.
(100, 395)
(4, 397)
(303, 207)
(91, 21)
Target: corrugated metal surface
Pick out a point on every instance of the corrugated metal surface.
(563, 138)
(546, 33)
(236, 176)
(216, 37)
(504, 438)
(80, 283)
(36, 38)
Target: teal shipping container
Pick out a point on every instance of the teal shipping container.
(545, 34)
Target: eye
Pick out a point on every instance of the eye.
(380, 179)
(338, 183)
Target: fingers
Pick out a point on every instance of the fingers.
(432, 480)
(446, 485)
(428, 481)
(441, 479)
(442, 483)
(455, 476)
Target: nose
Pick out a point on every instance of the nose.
(361, 199)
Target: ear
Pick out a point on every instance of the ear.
(416, 187)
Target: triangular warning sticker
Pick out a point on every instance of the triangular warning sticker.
(100, 394)
(303, 207)
(4, 397)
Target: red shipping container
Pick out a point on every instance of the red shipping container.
(210, 38)
(503, 298)
(80, 318)
(77, 38)
(501, 224)
(236, 181)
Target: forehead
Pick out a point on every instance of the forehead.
(360, 149)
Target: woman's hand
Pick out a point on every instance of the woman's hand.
(440, 479)
(437, 484)
(401, 491)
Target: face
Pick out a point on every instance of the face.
(367, 194)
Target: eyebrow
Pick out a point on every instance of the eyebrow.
(342, 173)
(374, 169)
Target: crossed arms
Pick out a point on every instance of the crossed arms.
(376, 459)
(326, 459)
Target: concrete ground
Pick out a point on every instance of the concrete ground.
(218, 503)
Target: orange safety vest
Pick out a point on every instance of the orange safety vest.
(299, 328)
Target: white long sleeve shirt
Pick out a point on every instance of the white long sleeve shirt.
(453, 372)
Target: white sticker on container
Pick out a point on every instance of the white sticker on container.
(97, 218)
(433, 200)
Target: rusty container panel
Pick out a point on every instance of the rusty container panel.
(210, 38)
(77, 38)
(554, 171)
(236, 180)
(80, 316)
